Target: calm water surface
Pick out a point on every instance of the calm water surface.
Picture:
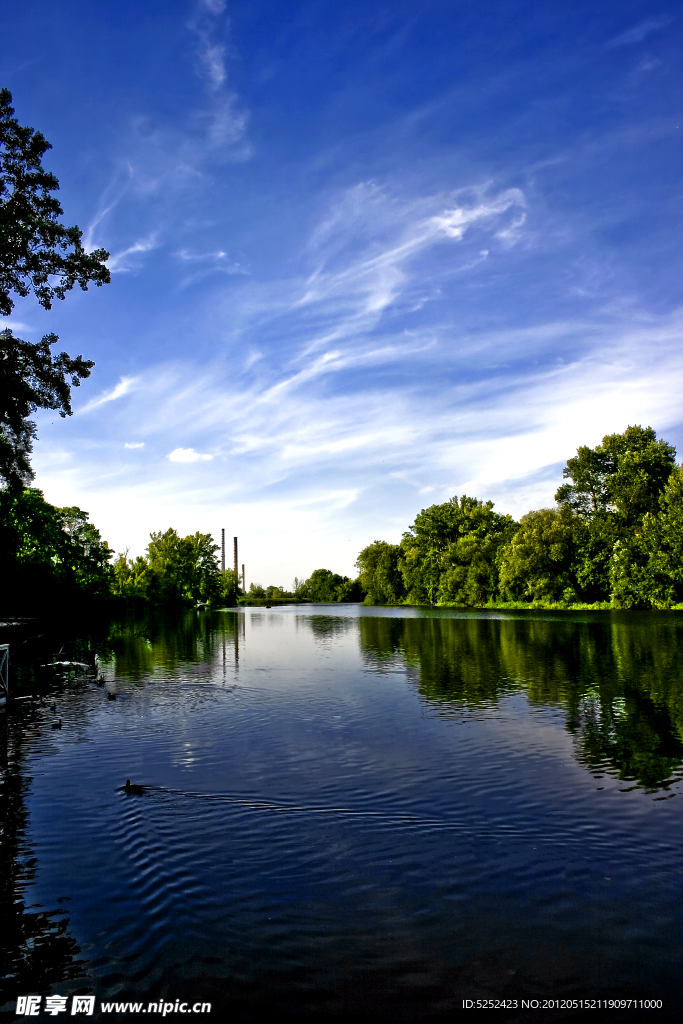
(350, 812)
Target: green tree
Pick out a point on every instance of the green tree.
(205, 575)
(182, 569)
(49, 554)
(323, 584)
(31, 378)
(472, 561)
(380, 574)
(38, 254)
(647, 570)
(228, 588)
(130, 577)
(614, 486)
(450, 552)
(624, 475)
(350, 591)
(538, 564)
(85, 555)
(663, 540)
(326, 587)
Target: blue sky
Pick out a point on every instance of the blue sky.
(365, 256)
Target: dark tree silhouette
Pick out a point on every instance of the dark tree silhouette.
(38, 254)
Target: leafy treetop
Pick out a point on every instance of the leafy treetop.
(31, 378)
(624, 475)
(37, 253)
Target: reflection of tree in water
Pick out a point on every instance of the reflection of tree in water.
(48, 653)
(326, 627)
(619, 677)
(169, 641)
(630, 735)
(36, 948)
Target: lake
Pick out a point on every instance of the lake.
(349, 812)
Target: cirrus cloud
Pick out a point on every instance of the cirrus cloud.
(125, 385)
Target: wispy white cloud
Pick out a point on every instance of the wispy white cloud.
(252, 358)
(161, 159)
(649, 64)
(224, 119)
(125, 261)
(14, 325)
(88, 239)
(333, 391)
(124, 387)
(187, 455)
(370, 255)
(111, 196)
(512, 231)
(134, 444)
(212, 59)
(640, 31)
(338, 319)
(225, 123)
(454, 222)
(217, 260)
(188, 256)
(336, 361)
(499, 433)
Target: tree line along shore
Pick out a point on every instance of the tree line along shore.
(614, 539)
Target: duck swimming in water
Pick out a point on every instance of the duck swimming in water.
(57, 725)
(132, 788)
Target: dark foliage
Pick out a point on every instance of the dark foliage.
(31, 378)
(49, 556)
(37, 253)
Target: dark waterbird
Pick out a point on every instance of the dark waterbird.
(111, 696)
(57, 725)
(131, 787)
